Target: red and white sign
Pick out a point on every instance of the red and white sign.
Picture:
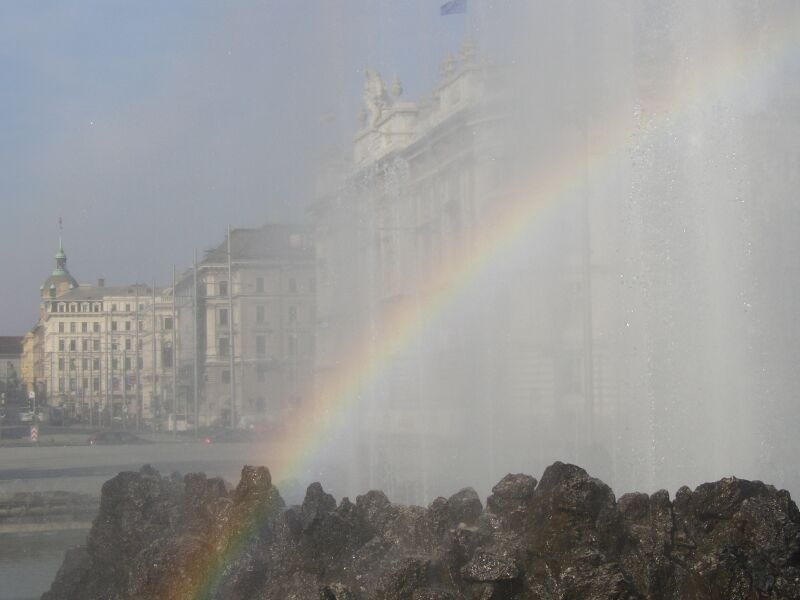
(34, 433)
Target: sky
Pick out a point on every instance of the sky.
(149, 126)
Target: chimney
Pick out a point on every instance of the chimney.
(101, 282)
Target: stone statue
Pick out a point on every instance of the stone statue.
(375, 97)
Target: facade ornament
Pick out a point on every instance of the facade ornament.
(397, 87)
(448, 66)
(376, 100)
(468, 51)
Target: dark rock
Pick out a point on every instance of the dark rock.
(485, 566)
(565, 538)
(464, 507)
(512, 493)
(336, 591)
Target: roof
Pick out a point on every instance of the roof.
(11, 344)
(59, 277)
(95, 292)
(269, 241)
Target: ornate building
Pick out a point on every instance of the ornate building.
(478, 363)
(104, 354)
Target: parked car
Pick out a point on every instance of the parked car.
(114, 437)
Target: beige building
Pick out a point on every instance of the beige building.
(33, 359)
(254, 326)
(106, 352)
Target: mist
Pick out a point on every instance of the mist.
(596, 257)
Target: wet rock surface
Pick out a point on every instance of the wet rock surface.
(565, 537)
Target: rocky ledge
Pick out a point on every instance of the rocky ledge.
(564, 537)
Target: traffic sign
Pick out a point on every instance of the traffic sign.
(34, 433)
(31, 395)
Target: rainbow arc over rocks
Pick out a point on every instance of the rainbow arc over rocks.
(728, 71)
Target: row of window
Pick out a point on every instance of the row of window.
(72, 382)
(95, 364)
(94, 345)
(166, 323)
(127, 362)
(87, 307)
(224, 346)
(261, 315)
(221, 287)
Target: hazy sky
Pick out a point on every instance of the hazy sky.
(150, 125)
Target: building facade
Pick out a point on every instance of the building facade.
(104, 354)
(254, 322)
(492, 362)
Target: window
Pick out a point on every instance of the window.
(128, 363)
(261, 373)
(73, 384)
(168, 323)
(114, 364)
(85, 364)
(223, 316)
(127, 325)
(292, 343)
(96, 345)
(113, 308)
(260, 285)
(223, 345)
(72, 364)
(113, 325)
(61, 343)
(292, 314)
(127, 343)
(226, 376)
(260, 314)
(73, 345)
(292, 285)
(223, 288)
(96, 327)
(60, 384)
(140, 363)
(84, 345)
(85, 383)
(60, 364)
(96, 384)
(96, 364)
(166, 356)
(261, 345)
(127, 308)
(84, 327)
(73, 327)
(141, 326)
(61, 327)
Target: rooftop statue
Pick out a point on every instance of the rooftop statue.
(375, 97)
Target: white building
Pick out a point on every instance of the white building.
(108, 351)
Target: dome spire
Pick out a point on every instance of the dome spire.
(61, 257)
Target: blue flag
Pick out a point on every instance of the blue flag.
(453, 7)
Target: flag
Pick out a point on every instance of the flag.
(453, 7)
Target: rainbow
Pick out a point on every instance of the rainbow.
(729, 71)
